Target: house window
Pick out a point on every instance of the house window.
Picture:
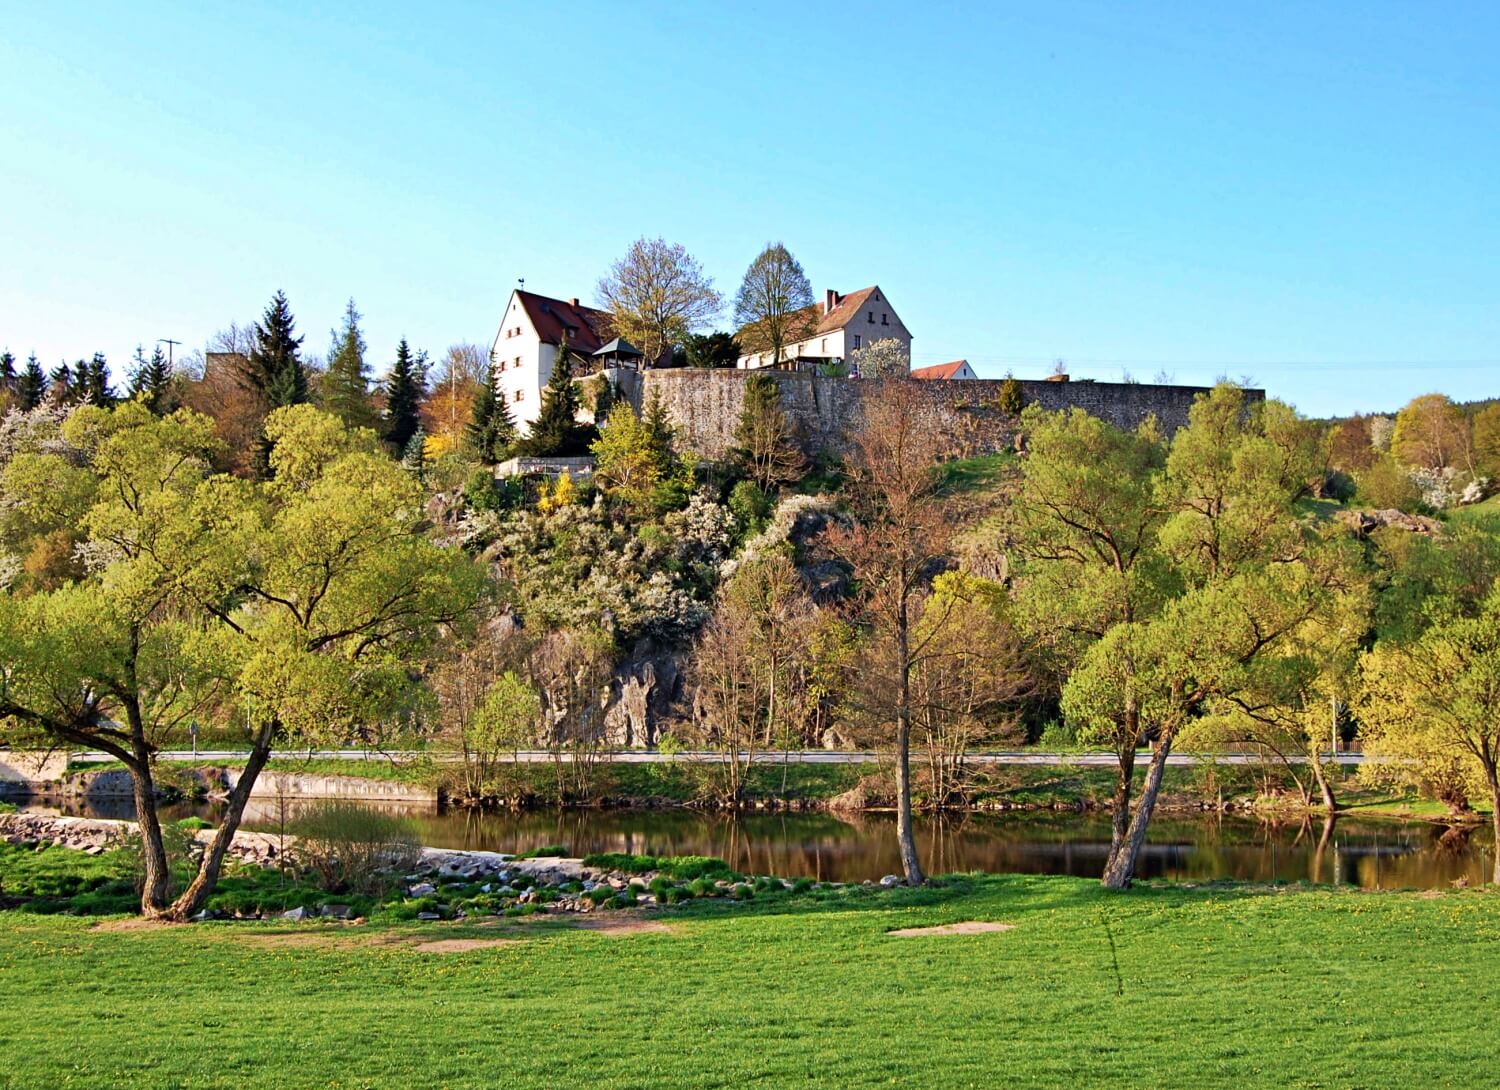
(518, 361)
(825, 345)
(883, 321)
(856, 340)
(519, 393)
(871, 316)
(502, 365)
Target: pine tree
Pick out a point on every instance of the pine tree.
(405, 387)
(1010, 399)
(62, 385)
(764, 442)
(151, 382)
(414, 455)
(555, 431)
(93, 378)
(659, 431)
(273, 369)
(7, 372)
(491, 430)
(346, 383)
(31, 387)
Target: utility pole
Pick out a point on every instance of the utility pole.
(170, 345)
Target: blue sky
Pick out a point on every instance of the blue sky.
(1304, 194)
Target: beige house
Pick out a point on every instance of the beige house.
(831, 330)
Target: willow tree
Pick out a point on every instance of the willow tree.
(1433, 705)
(286, 611)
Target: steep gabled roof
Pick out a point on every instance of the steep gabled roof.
(584, 326)
(939, 370)
(809, 321)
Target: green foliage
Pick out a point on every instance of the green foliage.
(556, 431)
(346, 383)
(710, 350)
(764, 446)
(682, 868)
(1384, 484)
(31, 387)
(353, 847)
(1010, 400)
(491, 431)
(152, 382)
(750, 506)
(405, 388)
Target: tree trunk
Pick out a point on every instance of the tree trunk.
(1490, 774)
(1121, 869)
(904, 836)
(1119, 817)
(207, 877)
(157, 886)
(1330, 803)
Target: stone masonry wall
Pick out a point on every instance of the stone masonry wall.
(704, 405)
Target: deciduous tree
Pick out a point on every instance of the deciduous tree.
(656, 295)
(773, 306)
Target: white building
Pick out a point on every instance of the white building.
(943, 371)
(526, 344)
(831, 330)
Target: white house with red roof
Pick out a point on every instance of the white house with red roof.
(831, 330)
(944, 371)
(526, 346)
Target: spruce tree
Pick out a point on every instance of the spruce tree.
(659, 431)
(7, 371)
(414, 456)
(95, 382)
(151, 382)
(346, 383)
(62, 384)
(764, 441)
(273, 371)
(491, 429)
(555, 431)
(31, 387)
(404, 390)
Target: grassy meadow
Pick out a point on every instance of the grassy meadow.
(1217, 985)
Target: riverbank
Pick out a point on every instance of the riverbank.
(853, 990)
(796, 787)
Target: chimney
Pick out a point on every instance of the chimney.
(830, 300)
(573, 302)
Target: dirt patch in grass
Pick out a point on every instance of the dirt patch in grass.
(460, 946)
(132, 923)
(622, 925)
(967, 927)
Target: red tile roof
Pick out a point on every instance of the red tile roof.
(586, 328)
(939, 370)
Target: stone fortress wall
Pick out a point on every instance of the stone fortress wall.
(704, 405)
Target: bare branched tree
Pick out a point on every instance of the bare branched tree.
(656, 295)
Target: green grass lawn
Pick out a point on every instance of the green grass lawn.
(1164, 986)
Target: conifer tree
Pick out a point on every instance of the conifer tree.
(404, 390)
(31, 387)
(555, 431)
(764, 442)
(151, 382)
(94, 379)
(414, 455)
(7, 371)
(273, 371)
(491, 430)
(346, 383)
(62, 385)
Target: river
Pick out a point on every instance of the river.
(1370, 853)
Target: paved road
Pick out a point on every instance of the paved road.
(639, 756)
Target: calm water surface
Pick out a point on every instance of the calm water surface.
(1374, 854)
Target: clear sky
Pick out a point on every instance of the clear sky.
(1305, 194)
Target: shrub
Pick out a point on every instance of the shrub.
(1385, 484)
(1010, 400)
(194, 823)
(1058, 736)
(546, 851)
(352, 847)
(750, 506)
